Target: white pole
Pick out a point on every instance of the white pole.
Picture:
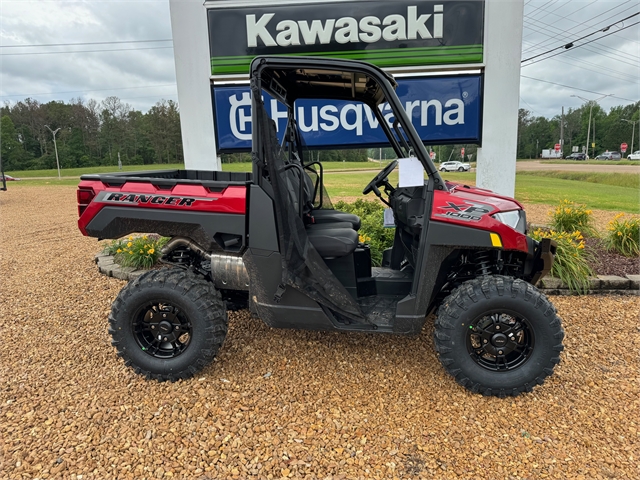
(55, 146)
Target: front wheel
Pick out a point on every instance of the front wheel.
(461, 169)
(498, 336)
(168, 324)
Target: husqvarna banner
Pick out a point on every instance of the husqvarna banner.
(396, 33)
(443, 110)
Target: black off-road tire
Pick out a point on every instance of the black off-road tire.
(477, 306)
(196, 308)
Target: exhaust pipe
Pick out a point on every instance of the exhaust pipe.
(227, 271)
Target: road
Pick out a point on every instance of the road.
(576, 167)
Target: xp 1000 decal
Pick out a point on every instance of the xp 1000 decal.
(466, 211)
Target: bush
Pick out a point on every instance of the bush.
(136, 252)
(623, 236)
(571, 264)
(572, 217)
(372, 230)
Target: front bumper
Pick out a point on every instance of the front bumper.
(543, 254)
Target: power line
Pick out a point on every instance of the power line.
(86, 51)
(576, 88)
(586, 43)
(570, 44)
(84, 43)
(85, 91)
(619, 54)
(567, 33)
(618, 59)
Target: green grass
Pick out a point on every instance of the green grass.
(630, 180)
(590, 162)
(227, 167)
(549, 190)
(76, 172)
(616, 192)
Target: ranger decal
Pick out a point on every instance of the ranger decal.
(146, 198)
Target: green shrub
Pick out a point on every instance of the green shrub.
(571, 264)
(372, 230)
(623, 236)
(137, 252)
(572, 217)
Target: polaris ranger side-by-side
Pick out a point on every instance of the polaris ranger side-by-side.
(270, 238)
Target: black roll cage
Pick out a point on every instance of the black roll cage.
(286, 79)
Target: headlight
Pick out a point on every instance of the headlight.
(516, 219)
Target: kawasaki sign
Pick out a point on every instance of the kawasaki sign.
(385, 33)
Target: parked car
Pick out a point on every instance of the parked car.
(453, 166)
(634, 156)
(577, 156)
(609, 156)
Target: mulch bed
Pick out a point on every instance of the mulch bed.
(605, 262)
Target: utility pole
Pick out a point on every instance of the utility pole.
(594, 120)
(633, 132)
(55, 146)
(593, 148)
(562, 133)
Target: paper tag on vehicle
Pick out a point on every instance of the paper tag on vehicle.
(389, 221)
(411, 172)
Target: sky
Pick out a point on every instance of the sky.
(125, 50)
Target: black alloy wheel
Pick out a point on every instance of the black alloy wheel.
(162, 330)
(500, 341)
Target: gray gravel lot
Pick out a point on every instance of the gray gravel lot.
(334, 405)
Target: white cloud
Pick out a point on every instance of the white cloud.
(608, 66)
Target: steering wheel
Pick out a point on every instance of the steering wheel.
(379, 179)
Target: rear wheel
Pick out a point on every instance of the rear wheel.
(498, 336)
(168, 324)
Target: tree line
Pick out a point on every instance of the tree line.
(95, 133)
(90, 133)
(608, 130)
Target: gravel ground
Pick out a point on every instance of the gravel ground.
(283, 403)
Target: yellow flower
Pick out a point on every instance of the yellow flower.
(129, 244)
(130, 238)
(118, 251)
(151, 251)
(130, 252)
(141, 251)
(619, 234)
(144, 237)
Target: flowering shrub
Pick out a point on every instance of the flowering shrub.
(623, 235)
(372, 230)
(137, 252)
(571, 262)
(571, 217)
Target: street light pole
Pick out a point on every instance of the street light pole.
(633, 131)
(55, 146)
(590, 110)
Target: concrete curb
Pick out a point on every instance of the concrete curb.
(602, 284)
(108, 267)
